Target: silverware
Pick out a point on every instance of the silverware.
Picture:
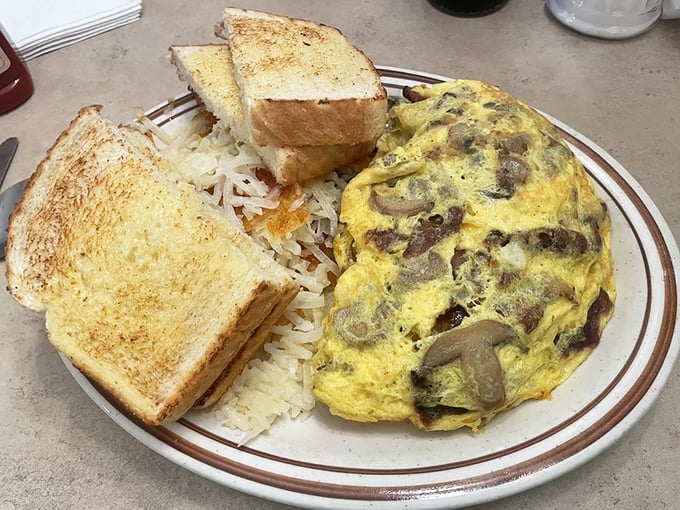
(9, 197)
(7, 150)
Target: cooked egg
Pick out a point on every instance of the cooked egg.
(476, 265)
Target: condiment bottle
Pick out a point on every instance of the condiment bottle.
(16, 85)
(468, 8)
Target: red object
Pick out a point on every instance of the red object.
(16, 85)
(468, 8)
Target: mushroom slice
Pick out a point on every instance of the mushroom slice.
(511, 172)
(383, 239)
(429, 231)
(412, 95)
(555, 239)
(474, 345)
(399, 206)
(357, 325)
(423, 269)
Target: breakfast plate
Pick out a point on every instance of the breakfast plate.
(322, 461)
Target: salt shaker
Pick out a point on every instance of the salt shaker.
(612, 19)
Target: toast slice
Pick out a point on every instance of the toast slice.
(302, 83)
(210, 397)
(209, 72)
(146, 289)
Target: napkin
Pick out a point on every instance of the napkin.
(37, 27)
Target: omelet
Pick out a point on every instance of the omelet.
(476, 268)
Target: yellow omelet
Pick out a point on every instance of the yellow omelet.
(476, 265)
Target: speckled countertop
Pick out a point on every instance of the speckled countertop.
(59, 450)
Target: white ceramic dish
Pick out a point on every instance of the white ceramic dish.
(325, 462)
(609, 20)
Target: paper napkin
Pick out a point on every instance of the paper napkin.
(37, 27)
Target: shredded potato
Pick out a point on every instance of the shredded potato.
(296, 225)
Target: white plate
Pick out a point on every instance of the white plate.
(326, 462)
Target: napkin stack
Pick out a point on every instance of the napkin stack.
(37, 27)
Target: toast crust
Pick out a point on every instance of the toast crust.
(302, 83)
(30, 261)
(290, 122)
(208, 71)
(240, 360)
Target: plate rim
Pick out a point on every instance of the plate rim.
(443, 494)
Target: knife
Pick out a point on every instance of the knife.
(7, 150)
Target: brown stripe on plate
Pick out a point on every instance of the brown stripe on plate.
(449, 488)
(659, 356)
(510, 473)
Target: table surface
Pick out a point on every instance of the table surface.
(59, 450)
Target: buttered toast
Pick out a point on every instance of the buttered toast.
(302, 83)
(209, 71)
(145, 288)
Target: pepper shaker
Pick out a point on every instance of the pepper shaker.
(468, 8)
